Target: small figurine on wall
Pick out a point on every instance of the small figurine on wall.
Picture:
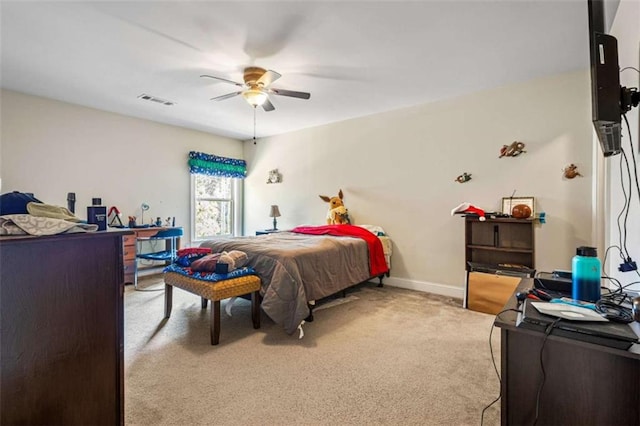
(465, 177)
(274, 176)
(571, 171)
(513, 150)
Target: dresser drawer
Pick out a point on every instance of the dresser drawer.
(130, 266)
(129, 240)
(129, 270)
(129, 253)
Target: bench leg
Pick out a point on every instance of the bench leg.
(203, 302)
(215, 322)
(168, 300)
(255, 308)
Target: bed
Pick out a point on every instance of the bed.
(309, 263)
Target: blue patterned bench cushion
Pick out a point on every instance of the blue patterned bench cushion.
(209, 276)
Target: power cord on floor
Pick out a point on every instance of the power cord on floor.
(547, 333)
(495, 367)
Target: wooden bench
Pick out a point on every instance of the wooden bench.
(214, 291)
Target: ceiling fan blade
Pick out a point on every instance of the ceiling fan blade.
(223, 79)
(268, 106)
(268, 78)
(291, 93)
(227, 96)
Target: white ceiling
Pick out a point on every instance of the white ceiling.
(355, 58)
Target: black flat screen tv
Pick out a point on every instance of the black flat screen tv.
(605, 81)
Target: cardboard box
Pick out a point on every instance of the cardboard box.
(487, 292)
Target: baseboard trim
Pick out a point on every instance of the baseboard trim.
(427, 287)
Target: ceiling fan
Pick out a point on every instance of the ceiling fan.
(257, 82)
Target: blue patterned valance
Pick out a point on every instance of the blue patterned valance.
(207, 164)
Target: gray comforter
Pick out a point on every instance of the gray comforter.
(296, 269)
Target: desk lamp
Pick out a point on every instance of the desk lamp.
(274, 213)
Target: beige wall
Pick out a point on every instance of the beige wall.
(397, 170)
(51, 148)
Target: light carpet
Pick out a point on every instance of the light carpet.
(384, 356)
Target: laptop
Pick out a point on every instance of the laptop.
(612, 334)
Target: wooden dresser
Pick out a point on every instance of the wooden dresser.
(62, 331)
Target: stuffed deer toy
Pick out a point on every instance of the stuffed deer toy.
(337, 214)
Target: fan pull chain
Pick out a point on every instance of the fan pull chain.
(254, 125)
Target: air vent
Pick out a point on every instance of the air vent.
(150, 98)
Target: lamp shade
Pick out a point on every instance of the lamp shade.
(274, 212)
(255, 97)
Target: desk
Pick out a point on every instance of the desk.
(585, 384)
(130, 250)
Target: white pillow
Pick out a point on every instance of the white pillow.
(374, 229)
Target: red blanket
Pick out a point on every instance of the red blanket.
(377, 263)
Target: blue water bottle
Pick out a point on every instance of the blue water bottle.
(585, 274)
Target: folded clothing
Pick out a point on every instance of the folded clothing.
(214, 262)
(22, 224)
(193, 250)
(187, 255)
(51, 211)
(206, 263)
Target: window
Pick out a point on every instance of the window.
(213, 206)
(216, 195)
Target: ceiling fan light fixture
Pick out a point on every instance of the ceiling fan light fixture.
(255, 97)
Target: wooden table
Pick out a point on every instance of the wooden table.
(585, 383)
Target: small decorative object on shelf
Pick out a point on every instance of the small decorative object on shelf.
(571, 171)
(521, 211)
(513, 150)
(143, 207)
(465, 177)
(468, 209)
(542, 217)
(508, 203)
(115, 217)
(71, 202)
